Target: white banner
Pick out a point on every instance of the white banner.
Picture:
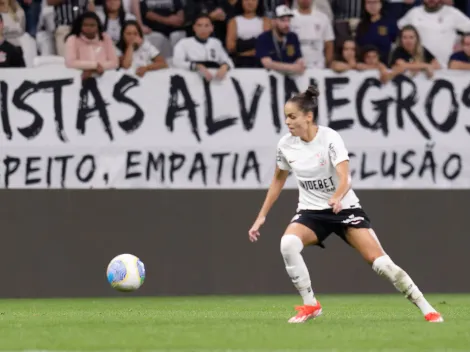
(172, 130)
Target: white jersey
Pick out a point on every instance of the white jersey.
(313, 30)
(314, 166)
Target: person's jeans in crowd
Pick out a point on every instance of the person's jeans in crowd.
(32, 11)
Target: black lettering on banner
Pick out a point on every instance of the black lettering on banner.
(466, 102)
(26, 89)
(177, 84)
(331, 85)
(251, 163)
(428, 163)
(274, 103)
(248, 117)
(235, 167)
(63, 159)
(4, 109)
(352, 171)
(11, 165)
(30, 169)
(84, 176)
(220, 164)
(451, 120)
(405, 159)
(390, 170)
(404, 104)
(49, 171)
(290, 88)
(456, 172)
(57, 88)
(85, 111)
(125, 84)
(156, 164)
(131, 163)
(381, 106)
(213, 126)
(198, 165)
(364, 173)
(176, 162)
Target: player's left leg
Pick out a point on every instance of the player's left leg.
(367, 244)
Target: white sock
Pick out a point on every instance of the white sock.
(291, 247)
(385, 267)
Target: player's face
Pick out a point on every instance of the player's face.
(283, 24)
(373, 7)
(250, 5)
(113, 5)
(203, 28)
(296, 120)
(89, 28)
(465, 44)
(304, 4)
(409, 40)
(371, 58)
(432, 4)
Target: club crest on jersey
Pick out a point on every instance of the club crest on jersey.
(321, 159)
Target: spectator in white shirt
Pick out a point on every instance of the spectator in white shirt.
(315, 33)
(137, 54)
(112, 18)
(201, 52)
(437, 25)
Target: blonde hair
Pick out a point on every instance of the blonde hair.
(12, 7)
(418, 55)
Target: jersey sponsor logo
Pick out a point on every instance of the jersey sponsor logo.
(353, 220)
(323, 185)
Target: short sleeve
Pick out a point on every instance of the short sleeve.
(281, 160)
(336, 149)
(153, 52)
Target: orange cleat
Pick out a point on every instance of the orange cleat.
(434, 317)
(305, 313)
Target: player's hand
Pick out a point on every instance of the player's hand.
(253, 234)
(335, 204)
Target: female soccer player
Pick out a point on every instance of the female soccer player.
(319, 160)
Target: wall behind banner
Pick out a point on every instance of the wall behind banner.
(195, 242)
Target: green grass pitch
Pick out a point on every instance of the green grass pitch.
(351, 323)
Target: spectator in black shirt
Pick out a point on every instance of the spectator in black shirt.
(410, 55)
(10, 55)
(166, 20)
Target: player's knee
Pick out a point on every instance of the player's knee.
(384, 266)
(291, 244)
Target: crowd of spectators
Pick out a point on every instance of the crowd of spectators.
(289, 36)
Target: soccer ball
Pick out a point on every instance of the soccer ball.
(126, 273)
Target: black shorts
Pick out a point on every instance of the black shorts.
(325, 222)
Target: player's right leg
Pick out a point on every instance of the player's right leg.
(293, 241)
